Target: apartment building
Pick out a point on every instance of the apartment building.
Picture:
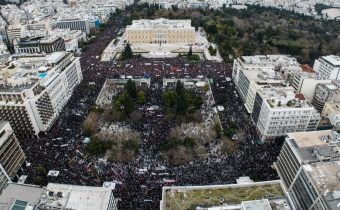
(324, 93)
(160, 31)
(278, 111)
(331, 110)
(40, 45)
(306, 83)
(309, 166)
(11, 155)
(247, 70)
(328, 67)
(35, 89)
(74, 24)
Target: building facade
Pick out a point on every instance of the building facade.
(328, 67)
(331, 110)
(160, 31)
(308, 166)
(74, 24)
(306, 83)
(40, 45)
(12, 156)
(278, 111)
(325, 93)
(32, 98)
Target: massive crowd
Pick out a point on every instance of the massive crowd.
(62, 148)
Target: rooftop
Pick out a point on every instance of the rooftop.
(76, 197)
(333, 59)
(256, 205)
(208, 196)
(325, 177)
(160, 22)
(310, 138)
(14, 192)
(314, 146)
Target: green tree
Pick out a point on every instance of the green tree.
(38, 180)
(127, 52)
(141, 97)
(128, 104)
(190, 51)
(131, 89)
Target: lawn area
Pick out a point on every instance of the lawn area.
(183, 199)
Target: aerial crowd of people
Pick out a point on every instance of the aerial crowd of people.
(63, 149)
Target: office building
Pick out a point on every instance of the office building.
(57, 197)
(325, 93)
(74, 24)
(11, 155)
(328, 67)
(331, 111)
(35, 89)
(160, 31)
(306, 83)
(40, 45)
(260, 68)
(309, 166)
(278, 111)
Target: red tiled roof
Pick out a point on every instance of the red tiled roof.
(300, 96)
(307, 68)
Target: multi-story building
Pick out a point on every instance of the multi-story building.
(36, 88)
(40, 45)
(74, 24)
(328, 67)
(11, 155)
(324, 93)
(160, 31)
(309, 166)
(278, 111)
(306, 83)
(245, 195)
(331, 110)
(247, 70)
(57, 197)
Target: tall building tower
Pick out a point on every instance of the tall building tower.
(309, 168)
(11, 155)
(328, 67)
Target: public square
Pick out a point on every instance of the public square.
(139, 182)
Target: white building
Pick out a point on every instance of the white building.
(306, 83)
(62, 196)
(278, 111)
(328, 67)
(35, 89)
(331, 110)
(308, 166)
(326, 92)
(160, 31)
(249, 71)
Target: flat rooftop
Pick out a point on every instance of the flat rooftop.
(325, 178)
(182, 198)
(333, 59)
(78, 197)
(13, 192)
(257, 205)
(310, 138)
(160, 22)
